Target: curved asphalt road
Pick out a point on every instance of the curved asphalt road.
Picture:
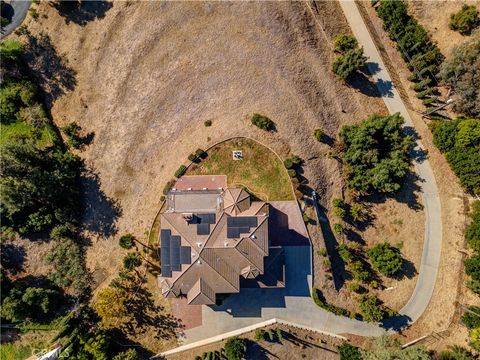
(423, 291)
(20, 11)
(295, 304)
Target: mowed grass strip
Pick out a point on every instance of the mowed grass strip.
(260, 171)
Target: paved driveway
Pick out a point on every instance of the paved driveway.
(20, 11)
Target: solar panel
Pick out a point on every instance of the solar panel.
(233, 232)
(243, 230)
(165, 256)
(166, 271)
(207, 218)
(203, 229)
(165, 238)
(185, 255)
(174, 241)
(176, 267)
(175, 256)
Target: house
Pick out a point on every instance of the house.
(214, 240)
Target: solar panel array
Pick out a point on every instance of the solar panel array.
(203, 223)
(172, 254)
(237, 225)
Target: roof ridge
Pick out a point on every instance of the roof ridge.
(232, 270)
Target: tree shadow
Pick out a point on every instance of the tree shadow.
(361, 82)
(147, 315)
(81, 12)
(12, 257)
(408, 270)
(49, 68)
(7, 12)
(100, 212)
(339, 273)
(257, 351)
(397, 323)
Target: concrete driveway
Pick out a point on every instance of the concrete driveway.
(19, 9)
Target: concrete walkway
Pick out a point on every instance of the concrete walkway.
(294, 303)
(427, 276)
(20, 11)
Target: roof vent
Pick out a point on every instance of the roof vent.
(199, 244)
(199, 261)
(253, 236)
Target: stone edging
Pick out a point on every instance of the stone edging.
(241, 331)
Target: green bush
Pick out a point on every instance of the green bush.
(292, 162)
(471, 317)
(338, 228)
(72, 130)
(456, 353)
(259, 334)
(356, 212)
(339, 208)
(386, 259)
(346, 65)
(349, 352)
(35, 303)
(345, 254)
(422, 85)
(358, 271)
(180, 171)
(344, 43)
(127, 241)
(465, 20)
(192, 157)
(320, 301)
(235, 348)
(370, 308)
(424, 93)
(292, 173)
(472, 233)
(263, 122)
(131, 261)
(376, 155)
(472, 267)
(207, 123)
(319, 134)
(169, 185)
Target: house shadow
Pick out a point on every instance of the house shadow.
(280, 232)
(81, 12)
(51, 71)
(100, 212)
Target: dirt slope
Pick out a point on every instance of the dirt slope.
(148, 74)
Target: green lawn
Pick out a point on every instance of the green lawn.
(20, 128)
(10, 351)
(260, 171)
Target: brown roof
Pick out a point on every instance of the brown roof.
(206, 247)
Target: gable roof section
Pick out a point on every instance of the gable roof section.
(201, 293)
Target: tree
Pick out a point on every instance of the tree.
(386, 259)
(472, 267)
(343, 43)
(131, 261)
(72, 130)
(319, 134)
(127, 241)
(465, 20)
(387, 347)
(461, 72)
(111, 305)
(356, 212)
(263, 122)
(39, 186)
(349, 352)
(472, 233)
(376, 154)
(475, 338)
(32, 302)
(130, 354)
(70, 270)
(471, 317)
(346, 65)
(235, 348)
(370, 308)
(98, 345)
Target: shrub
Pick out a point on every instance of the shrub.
(462, 74)
(376, 154)
(338, 229)
(339, 208)
(346, 65)
(263, 122)
(456, 353)
(475, 338)
(349, 352)
(320, 301)
(322, 252)
(356, 212)
(235, 348)
(318, 134)
(465, 20)
(422, 85)
(370, 309)
(474, 286)
(180, 171)
(386, 258)
(131, 261)
(472, 267)
(126, 241)
(344, 43)
(345, 253)
(472, 233)
(207, 123)
(34, 14)
(72, 130)
(292, 173)
(424, 93)
(471, 317)
(32, 302)
(293, 161)
(354, 286)
(200, 153)
(259, 334)
(130, 354)
(168, 186)
(192, 157)
(358, 271)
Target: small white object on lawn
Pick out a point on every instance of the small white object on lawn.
(237, 155)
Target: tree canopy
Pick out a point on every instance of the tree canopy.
(461, 71)
(465, 20)
(235, 348)
(376, 154)
(386, 259)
